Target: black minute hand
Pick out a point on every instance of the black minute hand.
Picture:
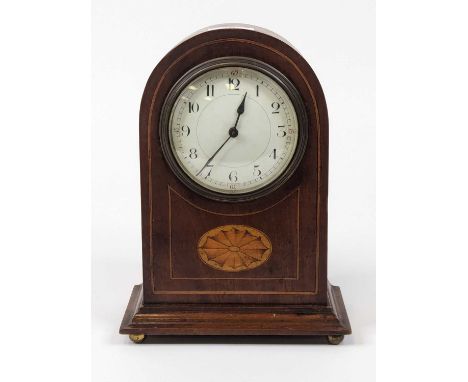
(212, 157)
(232, 133)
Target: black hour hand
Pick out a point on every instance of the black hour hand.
(240, 109)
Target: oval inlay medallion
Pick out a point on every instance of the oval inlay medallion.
(234, 248)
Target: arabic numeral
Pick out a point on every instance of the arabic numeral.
(233, 176)
(185, 130)
(193, 107)
(193, 154)
(210, 167)
(233, 83)
(257, 171)
(276, 106)
(281, 133)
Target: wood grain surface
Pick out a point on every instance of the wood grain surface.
(280, 286)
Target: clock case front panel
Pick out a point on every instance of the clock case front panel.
(294, 216)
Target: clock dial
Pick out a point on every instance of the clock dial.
(233, 130)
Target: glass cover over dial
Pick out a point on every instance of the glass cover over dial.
(233, 130)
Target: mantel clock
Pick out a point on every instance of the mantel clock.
(234, 177)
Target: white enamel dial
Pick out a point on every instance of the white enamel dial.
(227, 161)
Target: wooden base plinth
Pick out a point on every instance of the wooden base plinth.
(179, 319)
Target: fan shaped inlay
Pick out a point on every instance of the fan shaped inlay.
(234, 248)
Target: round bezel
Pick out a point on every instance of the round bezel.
(199, 70)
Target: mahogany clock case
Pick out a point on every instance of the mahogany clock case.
(289, 293)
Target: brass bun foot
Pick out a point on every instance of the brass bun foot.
(137, 338)
(335, 340)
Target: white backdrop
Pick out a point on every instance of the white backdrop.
(129, 38)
